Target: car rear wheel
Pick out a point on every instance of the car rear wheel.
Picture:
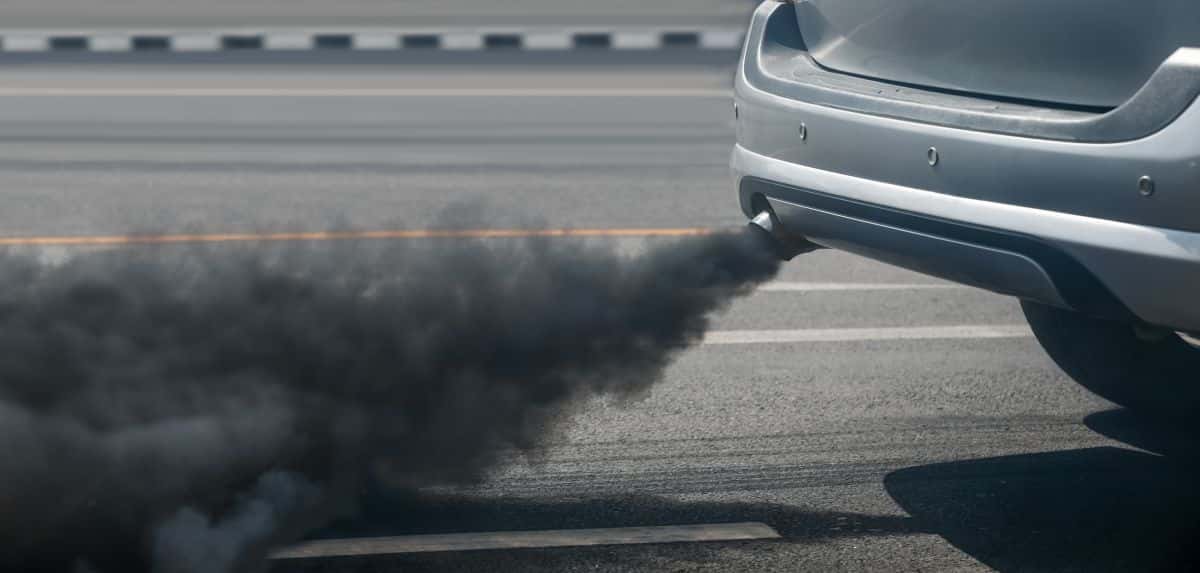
(1148, 371)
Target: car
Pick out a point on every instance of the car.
(1044, 150)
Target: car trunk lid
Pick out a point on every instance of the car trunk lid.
(1088, 53)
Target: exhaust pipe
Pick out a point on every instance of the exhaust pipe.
(785, 245)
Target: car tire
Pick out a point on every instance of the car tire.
(1150, 372)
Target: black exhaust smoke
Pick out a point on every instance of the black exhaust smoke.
(184, 409)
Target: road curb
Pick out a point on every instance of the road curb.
(360, 39)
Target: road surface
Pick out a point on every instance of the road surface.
(862, 412)
(42, 14)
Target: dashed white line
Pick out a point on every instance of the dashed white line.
(527, 540)
(965, 332)
(783, 286)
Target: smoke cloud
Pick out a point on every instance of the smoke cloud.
(185, 409)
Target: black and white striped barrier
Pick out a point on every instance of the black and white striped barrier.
(27, 41)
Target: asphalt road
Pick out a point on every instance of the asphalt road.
(45, 14)
(883, 453)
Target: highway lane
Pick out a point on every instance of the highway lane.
(73, 165)
(947, 454)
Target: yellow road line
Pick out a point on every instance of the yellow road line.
(103, 240)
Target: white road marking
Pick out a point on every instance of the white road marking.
(196, 42)
(376, 41)
(966, 332)
(636, 40)
(366, 92)
(111, 43)
(462, 41)
(26, 43)
(721, 39)
(527, 540)
(548, 41)
(783, 286)
(288, 41)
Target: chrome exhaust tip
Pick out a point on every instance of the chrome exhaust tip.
(785, 245)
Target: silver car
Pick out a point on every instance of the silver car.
(1045, 149)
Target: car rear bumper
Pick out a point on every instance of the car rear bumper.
(1094, 265)
(1018, 205)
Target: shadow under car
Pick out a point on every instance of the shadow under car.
(1093, 509)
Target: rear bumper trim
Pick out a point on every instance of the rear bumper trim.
(996, 260)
